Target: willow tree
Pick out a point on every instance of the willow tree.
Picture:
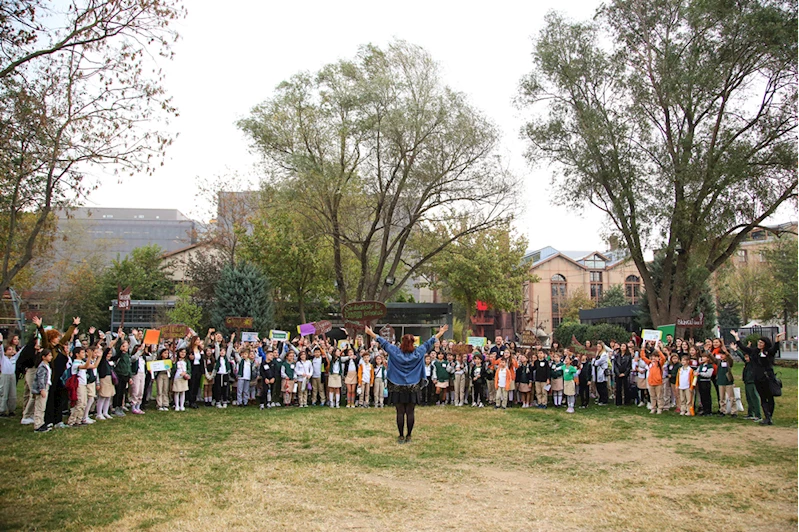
(378, 154)
(677, 119)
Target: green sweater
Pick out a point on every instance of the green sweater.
(122, 363)
(440, 367)
(721, 375)
(569, 372)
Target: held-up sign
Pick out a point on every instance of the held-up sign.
(528, 338)
(323, 326)
(363, 311)
(306, 329)
(387, 332)
(151, 337)
(249, 337)
(651, 335)
(232, 322)
(477, 341)
(123, 298)
(171, 332)
(280, 336)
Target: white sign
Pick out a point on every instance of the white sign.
(249, 337)
(280, 336)
(651, 335)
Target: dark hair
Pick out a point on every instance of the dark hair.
(766, 341)
(40, 355)
(406, 346)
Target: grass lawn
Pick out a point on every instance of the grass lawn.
(288, 469)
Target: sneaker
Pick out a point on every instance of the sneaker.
(262, 407)
(401, 440)
(60, 425)
(88, 421)
(407, 439)
(480, 405)
(224, 406)
(119, 412)
(570, 410)
(26, 421)
(219, 405)
(44, 428)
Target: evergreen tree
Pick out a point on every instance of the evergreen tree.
(243, 291)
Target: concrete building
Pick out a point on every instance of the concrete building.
(562, 273)
(115, 232)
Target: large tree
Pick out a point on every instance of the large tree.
(676, 118)
(78, 88)
(243, 291)
(486, 266)
(378, 152)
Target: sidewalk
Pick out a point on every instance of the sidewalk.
(789, 355)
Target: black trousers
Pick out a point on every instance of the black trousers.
(57, 402)
(622, 391)
(221, 388)
(704, 397)
(477, 391)
(121, 388)
(602, 390)
(194, 383)
(585, 397)
(766, 397)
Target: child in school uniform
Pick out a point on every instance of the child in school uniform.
(584, 381)
(752, 397)
(223, 370)
(244, 373)
(569, 385)
(478, 379)
(460, 378)
(685, 385)
(40, 388)
(105, 389)
(541, 378)
(654, 377)
(705, 382)
(162, 383)
(441, 379)
(267, 374)
(380, 380)
(502, 380)
(366, 374)
(287, 375)
(180, 383)
(91, 384)
(725, 382)
(138, 367)
(524, 380)
(8, 381)
(79, 367)
(209, 372)
(673, 368)
(556, 379)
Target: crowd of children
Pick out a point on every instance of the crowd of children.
(73, 373)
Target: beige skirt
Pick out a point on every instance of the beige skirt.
(442, 385)
(525, 387)
(512, 386)
(334, 381)
(106, 387)
(351, 378)
(569, 388)
(641, 383)
(557, 385)
(180, 385)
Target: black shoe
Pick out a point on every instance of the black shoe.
(407, 439)
(401, 440)
(766, 422)
(44, 428)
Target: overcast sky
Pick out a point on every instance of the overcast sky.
(233, 54)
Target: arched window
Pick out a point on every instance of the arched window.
(632, 288)
(558, 283)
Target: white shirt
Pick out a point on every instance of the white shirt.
(304, 370)
(351, 367)
(9, 365)
(81, 373)
(502, 377)
(317, 367)
(245, 374)
(180, 369)
(198, 356)
(684, 377)
(366, 373)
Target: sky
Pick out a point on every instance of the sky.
(231, 58)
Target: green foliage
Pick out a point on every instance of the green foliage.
(729, 316)
(613, 297)
(297, 260)
(485, 266)
(243, 291)
(678, 120)
(582, 332)
(745, 286)
(186, 311)
(385, 161)
(782, 289)
(575, 302)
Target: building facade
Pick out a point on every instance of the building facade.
(115, 232)
(562, 273)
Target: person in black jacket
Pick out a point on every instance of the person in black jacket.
(57, 399)
(586, 376)
(267, 372)
(26, 367)
(622, 366)
(762, 359)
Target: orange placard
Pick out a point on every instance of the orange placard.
(151, 337)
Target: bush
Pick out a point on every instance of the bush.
(583, 332)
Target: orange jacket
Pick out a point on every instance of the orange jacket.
(508, 378)
(655, 377)
(360, 374)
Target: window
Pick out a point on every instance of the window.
(741, 255)
(632, 288)
(558, 283)
(596, 277)
(596, 292)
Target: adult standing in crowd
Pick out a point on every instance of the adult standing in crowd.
(406, 376)
(762, 359)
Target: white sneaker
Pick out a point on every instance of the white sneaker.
(26, 421)
(88, 421)
(224, 406)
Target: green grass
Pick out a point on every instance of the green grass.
(148, 472)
